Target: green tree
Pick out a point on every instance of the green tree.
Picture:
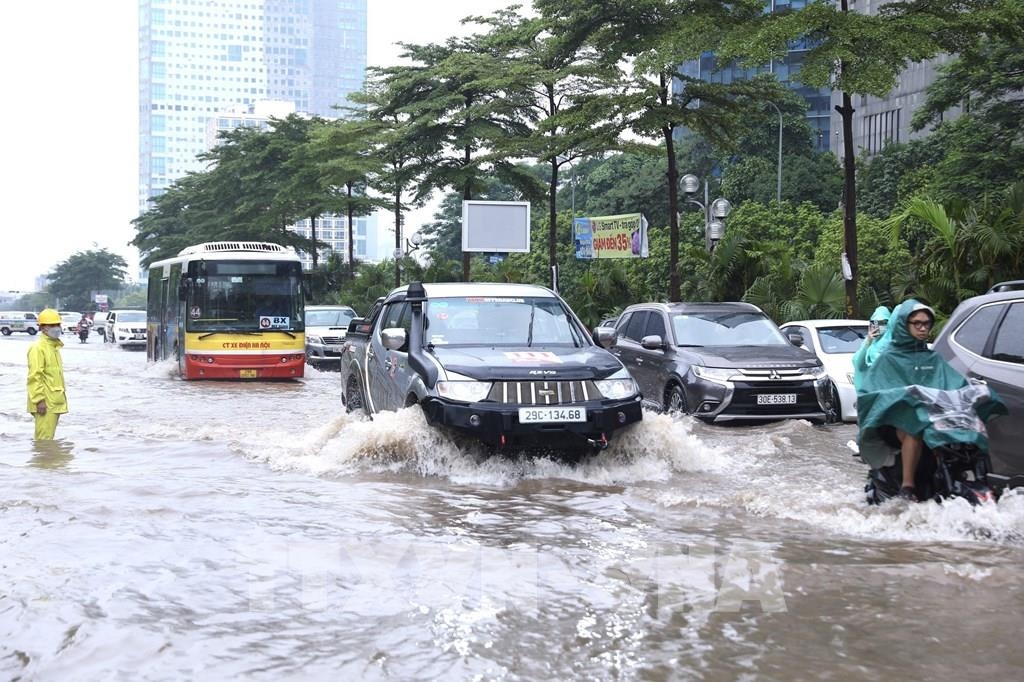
(74, 280)
(862, 54)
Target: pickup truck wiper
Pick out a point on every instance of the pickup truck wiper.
(226, 331)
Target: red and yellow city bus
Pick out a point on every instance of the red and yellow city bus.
(228, 310)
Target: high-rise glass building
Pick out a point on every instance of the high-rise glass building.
(818, 99)
(200, 58)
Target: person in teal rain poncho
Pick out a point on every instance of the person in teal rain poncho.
(888, 397)
(879, 338)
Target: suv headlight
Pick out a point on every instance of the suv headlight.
(617, 389)
(713, 373)
(464, 391)
(819, 372)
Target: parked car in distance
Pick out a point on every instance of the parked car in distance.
(18, 321)
(126, 328)
(984, 339)
(834, 342)
(720, 362)
(69, 322)
(326, 326)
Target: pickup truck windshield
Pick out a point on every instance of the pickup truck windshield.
(499, 321)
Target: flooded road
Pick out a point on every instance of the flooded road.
(222, 530)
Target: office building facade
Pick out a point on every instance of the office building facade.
(201, 58)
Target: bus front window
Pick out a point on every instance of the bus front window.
(245, 296)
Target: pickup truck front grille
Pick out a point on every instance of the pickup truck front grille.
(333, 340)
(543, 392)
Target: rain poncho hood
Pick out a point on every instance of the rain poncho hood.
(871, 349)
(913, 389)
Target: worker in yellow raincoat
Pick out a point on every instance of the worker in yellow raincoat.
(46, 398)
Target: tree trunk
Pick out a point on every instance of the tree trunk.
(398, 238)
(351, 233)
(312, 233)
(467, 195)
(849, 205)
(672, 176)
(849, 194)
(553, 226)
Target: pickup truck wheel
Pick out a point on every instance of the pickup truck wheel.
(675, 400)
(6, 331)
(354, 397)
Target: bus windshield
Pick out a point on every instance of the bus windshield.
(244, 296)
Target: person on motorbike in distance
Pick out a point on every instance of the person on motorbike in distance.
(878, 339)
(883, 402)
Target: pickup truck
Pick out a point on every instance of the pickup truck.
(507, 364)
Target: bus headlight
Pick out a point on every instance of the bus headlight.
(464, 391)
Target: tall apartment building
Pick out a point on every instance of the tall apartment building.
(818, 99)
(201, 58)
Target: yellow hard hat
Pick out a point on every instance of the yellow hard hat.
(48, 316)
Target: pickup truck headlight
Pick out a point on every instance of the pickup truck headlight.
(713, 373)
(617, 389)
(314, 339)
(464, 391)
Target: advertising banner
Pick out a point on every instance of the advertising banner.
(611, 236)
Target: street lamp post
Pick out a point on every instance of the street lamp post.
(411, 244)
(715, 212)
(778, 173)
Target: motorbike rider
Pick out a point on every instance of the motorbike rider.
(83, 328)
(878, 339)
(885, 404)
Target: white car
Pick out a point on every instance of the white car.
(326, 326)
(15, 321)
(69, 322)
(834, 342)
(126, 328)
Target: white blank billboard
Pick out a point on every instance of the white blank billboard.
(496, 226)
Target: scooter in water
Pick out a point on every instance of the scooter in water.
(948, 469)
(83, 334)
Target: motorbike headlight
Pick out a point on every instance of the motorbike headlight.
(617, 389)
(464, 391)
(713, 373)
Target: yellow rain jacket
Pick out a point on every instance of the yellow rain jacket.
(46, 375)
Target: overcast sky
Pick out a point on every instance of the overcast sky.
(70, 126)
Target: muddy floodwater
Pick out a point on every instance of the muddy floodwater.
(252, 530)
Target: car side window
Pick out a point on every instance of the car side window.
(974, 332)
(637, 325)
(392, 316)
(1009, 344)
(622, 324)
(655, 326)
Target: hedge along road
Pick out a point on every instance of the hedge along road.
(225, 529)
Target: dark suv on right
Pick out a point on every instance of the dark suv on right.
(984, 339)
(720, 362)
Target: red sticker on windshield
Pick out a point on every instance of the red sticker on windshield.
(533, 357)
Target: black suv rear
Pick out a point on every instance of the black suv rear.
(720, 362)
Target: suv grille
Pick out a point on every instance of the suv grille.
(543, 392)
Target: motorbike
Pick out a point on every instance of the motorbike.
(953, 465)
(83, 333)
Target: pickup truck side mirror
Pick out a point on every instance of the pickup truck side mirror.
(604, 336)
(393, 338)
(652, 342)
(795, 338)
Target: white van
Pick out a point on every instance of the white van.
(13, 321)
(126, 328)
